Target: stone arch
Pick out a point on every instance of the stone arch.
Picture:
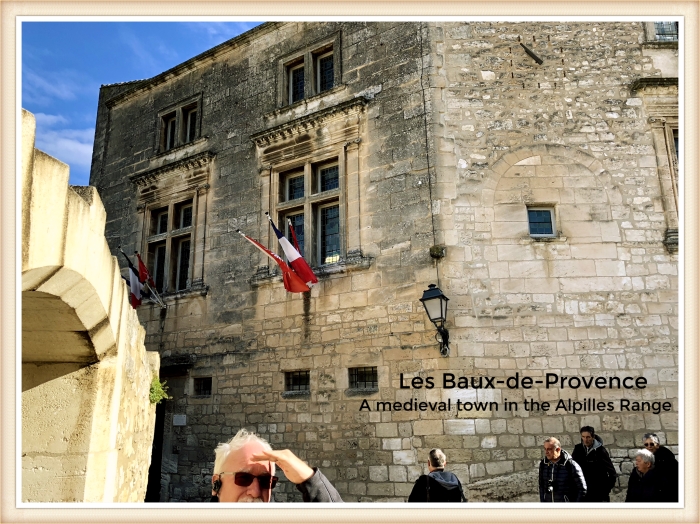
(85, 371)
(572, 181)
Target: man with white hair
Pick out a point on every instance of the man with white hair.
(645, 485)
(244, 471)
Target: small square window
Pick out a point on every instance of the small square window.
(297, 381)
(541, 222)
(202, 387)
(363, 378)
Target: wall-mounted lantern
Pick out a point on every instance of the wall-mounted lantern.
(435, 304)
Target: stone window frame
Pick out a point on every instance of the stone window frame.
(354, 390)
(192, 398)
(308, 57)
(201, 382)
(311, 203)
(179, 111)
(280, 151)
(167, 187)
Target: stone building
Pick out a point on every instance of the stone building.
(87, 419)
(527, 169)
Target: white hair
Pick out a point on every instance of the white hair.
(651, 436)
(240, 439)
(555, 441)
(647, 456)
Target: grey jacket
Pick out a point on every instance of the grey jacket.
(318, 489)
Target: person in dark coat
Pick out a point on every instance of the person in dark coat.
(561, 479)
(598, 469)
(666, 466)
(645, 484)
(438, 485)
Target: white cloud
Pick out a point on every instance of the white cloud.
(42, 119)
(71, 146)
(45, 88)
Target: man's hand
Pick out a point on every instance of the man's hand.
(296, 470)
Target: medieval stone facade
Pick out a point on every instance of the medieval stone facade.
(526, 169)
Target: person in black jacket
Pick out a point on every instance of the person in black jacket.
(598, 469)
(645, 484)
(244, 471)
(666, 466)
(561, 479)
(438, 485)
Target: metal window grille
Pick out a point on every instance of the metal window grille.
(666, 31)
(328, 178)
(325, 72)
(295, 187)
(297, 84)
(364, 378)
(540, 221)
(330, 234)
(298, 226)
(297, 381)
(202, 387)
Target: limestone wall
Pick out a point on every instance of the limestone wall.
(451, 144)
(87, 421)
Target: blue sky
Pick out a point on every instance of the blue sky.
(64, 64)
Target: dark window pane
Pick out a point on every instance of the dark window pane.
(202, 387)
(184, 216)
(330, 235)
(159, 268)
(365, 377)
(666, 31)
(540, 222)
(297, 381)
(183, 265)
(296, 187)
(297, 84)
(298, 227)
(191, 125)
(325, 71)
(162, 223)
(328, 178)
(675, 141)
(170, 133)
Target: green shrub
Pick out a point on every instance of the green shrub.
(159, 390)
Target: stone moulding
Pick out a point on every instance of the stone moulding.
(643, 83)
(149, 176)
(308, 122)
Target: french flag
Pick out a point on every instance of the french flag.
(297, 262)
(291, 280)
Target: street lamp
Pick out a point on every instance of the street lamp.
(435, 304)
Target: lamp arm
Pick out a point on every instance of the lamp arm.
(445, 343)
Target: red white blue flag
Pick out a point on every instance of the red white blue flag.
(292, 282)
(297, 262)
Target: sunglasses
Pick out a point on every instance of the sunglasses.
(244, 480)
(649, 444)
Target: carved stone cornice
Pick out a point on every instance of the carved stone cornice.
(644, 83)
(656, 121)
(308, 122)
(149, 176)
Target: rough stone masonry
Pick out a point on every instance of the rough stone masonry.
(382, 141)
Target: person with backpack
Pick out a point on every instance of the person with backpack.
(438, 485)
(598, 469)
(561, 479)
